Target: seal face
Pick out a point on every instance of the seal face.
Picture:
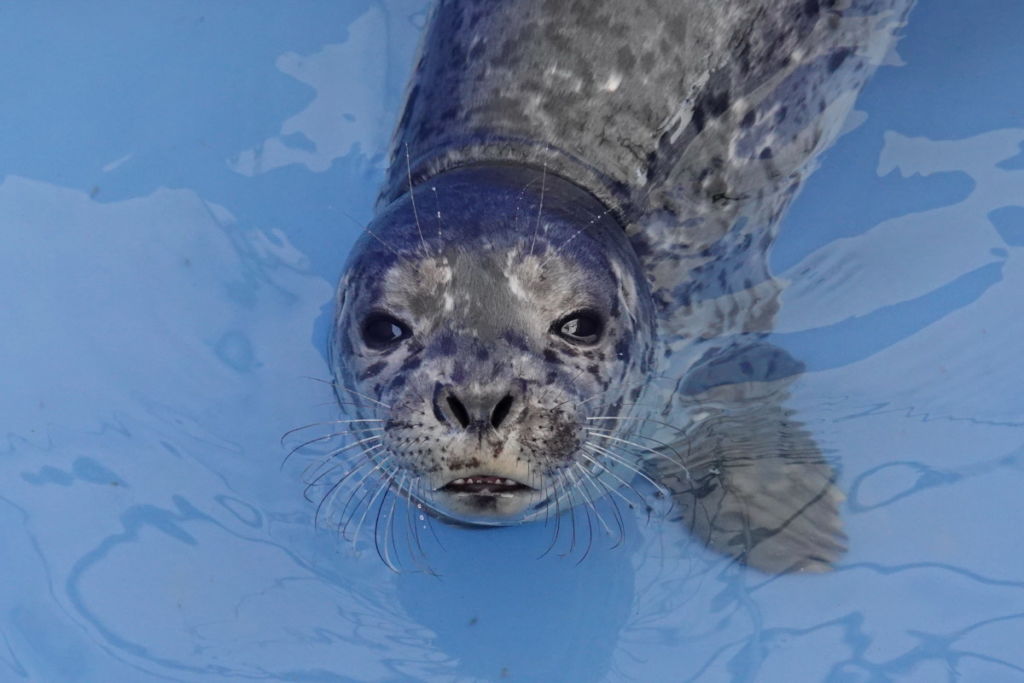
(486, 343)
(580, 203)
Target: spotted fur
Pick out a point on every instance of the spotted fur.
(632, 157)
(481, 296)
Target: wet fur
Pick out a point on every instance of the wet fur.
(482, 296)
(688, 127)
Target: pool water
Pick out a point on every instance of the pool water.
(180, 184)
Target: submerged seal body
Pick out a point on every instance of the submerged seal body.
(565, 284)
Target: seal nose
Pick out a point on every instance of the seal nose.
(472, 409)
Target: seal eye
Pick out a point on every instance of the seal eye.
(581, 327)
(381, 330)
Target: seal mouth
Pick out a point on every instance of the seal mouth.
(485, 485)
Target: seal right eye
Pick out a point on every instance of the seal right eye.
(381, 330)
(582, 327)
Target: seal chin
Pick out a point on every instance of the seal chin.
(487, 500)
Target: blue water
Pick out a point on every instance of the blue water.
(179, 186)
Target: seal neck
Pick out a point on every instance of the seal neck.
(495, 206)
(491, 151)
(506, 198)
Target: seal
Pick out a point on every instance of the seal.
(565, 286)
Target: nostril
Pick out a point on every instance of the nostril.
(458, 410)
(501, 411)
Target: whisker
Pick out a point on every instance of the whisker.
(324, 424)
(519, 202)
(378, 546)
(558, 517)
(581, 481)
(590, 527)
(313, 468)
(366, 228)
(365, 456)
(551, 388)
(336, 402)
(596, 218)
(627, 465)
(572, 516)
(352, 471)
(330, 492)
(385, 485)
(667, 446)
(371, 400)
(336, 385)
(396, 495)
(611, 473)
(634, 418)
(413, 531)
(678, 463)
(381, 466)
(327, 437)
(412, 197)
(595, 482)
(540, 207)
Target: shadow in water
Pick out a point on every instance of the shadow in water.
(500, 611)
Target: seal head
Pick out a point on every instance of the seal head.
(483, 318)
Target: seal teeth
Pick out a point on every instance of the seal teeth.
(486, 485)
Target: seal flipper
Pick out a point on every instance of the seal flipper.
(755, 486)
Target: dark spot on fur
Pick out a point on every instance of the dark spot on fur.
(716, 103)
(445, 345)
(837, 58)
(372, 371)
(517, 340)
(698, 118)
(625, 59)
(622, 350)
(676, 27)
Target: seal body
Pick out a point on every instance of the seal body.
(680, 116)
(568, 262)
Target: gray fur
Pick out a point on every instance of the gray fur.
(480, 298)
(691, 124)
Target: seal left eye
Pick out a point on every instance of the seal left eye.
(381, 330)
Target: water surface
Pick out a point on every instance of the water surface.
(179, 186)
